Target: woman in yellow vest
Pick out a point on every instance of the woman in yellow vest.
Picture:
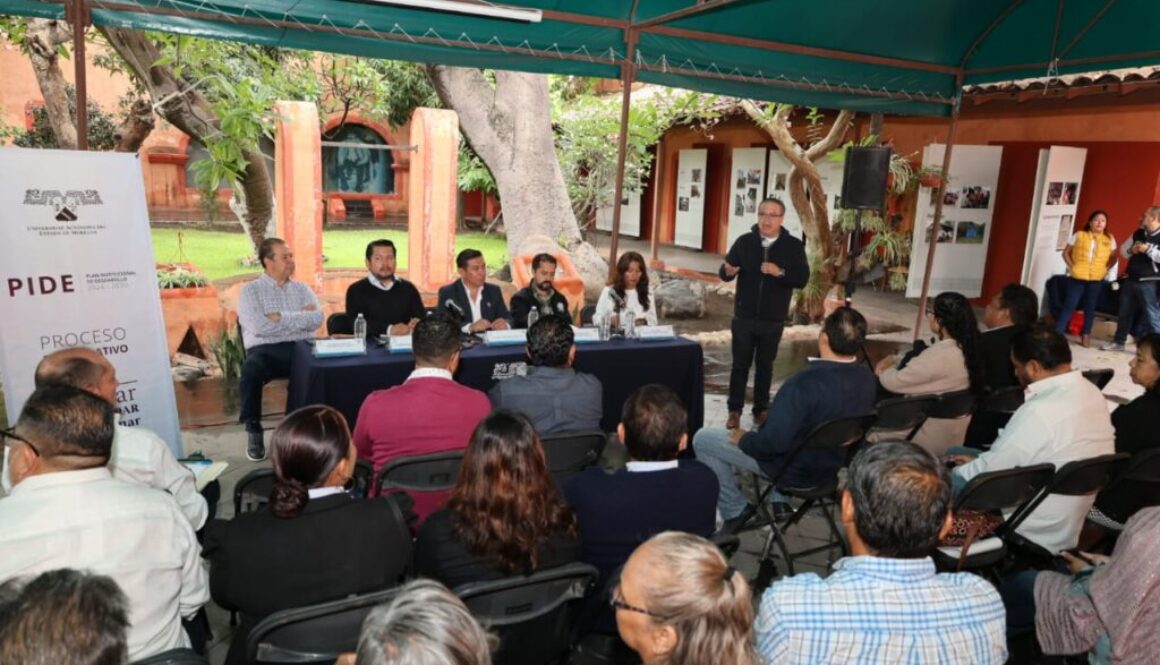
(1089, 255)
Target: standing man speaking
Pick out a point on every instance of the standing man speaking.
(769, 264)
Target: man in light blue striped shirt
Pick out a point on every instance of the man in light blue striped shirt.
(885, 604)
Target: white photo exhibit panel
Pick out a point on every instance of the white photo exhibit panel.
(1057, 191)
(629, 216)
(745, 190)
(691, 179)
(777, 186)
(965, 228)
(76, 260)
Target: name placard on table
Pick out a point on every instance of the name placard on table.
(399, 344)
(337, 348)
(585, 335)
(505, 337)
(655, 333)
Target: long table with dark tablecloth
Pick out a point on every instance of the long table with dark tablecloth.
(621, 365)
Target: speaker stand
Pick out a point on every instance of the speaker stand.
(855, 250)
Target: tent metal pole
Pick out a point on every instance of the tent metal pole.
(628, 73)
(77, 15)
(938, 206)
(658, 197)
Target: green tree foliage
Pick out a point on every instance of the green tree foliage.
(102, 126)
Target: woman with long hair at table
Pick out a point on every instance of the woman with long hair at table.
(313, 542)
(628, 294)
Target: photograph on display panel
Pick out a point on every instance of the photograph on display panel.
(1062, 193)
(683, 203)
(946, 232)
(975, 197)
(970, 233)
(740, 179)
(1065, 233)
(779, 182)
(738, 204)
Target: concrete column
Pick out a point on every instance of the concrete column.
(298, 187)
(432, 205)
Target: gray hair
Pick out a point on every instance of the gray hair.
(63, 617)
(424, 625)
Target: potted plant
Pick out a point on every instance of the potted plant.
(189, 302)
(930, 176)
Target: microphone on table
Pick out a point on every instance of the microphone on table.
(454, 306)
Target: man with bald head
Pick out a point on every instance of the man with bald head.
(138, 454)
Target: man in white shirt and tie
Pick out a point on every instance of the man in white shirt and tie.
(66, 510)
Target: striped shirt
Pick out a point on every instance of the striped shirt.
(263, 296)
(877, 610)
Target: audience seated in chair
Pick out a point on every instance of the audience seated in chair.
(555, 397)
(1105, 607)
(834, 385)
(655, 491)
(952, 364)
(66, 510)
(63, 617)
(315, 543)
(138, 454)
(429, 413)
(886, 604)
(274, 312)
(679, 602)
(1135, 422)
(1012, 309)
(505, 516)
(1063, 418)
(424, 625)
(388, 303)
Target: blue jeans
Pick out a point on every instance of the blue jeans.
(1137, 296)
(1089, 290)
(715, 450)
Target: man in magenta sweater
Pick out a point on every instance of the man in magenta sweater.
(429, 413)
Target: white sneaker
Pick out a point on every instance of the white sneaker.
(1112, 346)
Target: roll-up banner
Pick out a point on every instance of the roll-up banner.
(76, 265)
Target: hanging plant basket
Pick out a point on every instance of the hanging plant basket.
(930, 177)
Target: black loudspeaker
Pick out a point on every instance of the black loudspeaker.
(864, 179)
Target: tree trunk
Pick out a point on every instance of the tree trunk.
(42, 39)
(811, 208)
(185, 108)
(509, 126)
(132, 133)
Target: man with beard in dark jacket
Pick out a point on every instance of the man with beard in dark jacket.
(769, 264)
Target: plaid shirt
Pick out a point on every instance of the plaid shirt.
(263, 296)
(878, 610)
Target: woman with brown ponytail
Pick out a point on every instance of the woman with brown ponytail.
(679, 602)
(315, 542)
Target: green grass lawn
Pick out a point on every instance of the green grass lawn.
(218, 254)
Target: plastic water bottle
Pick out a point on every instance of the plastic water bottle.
(360, 329)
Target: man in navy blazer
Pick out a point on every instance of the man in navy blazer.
(477, 305)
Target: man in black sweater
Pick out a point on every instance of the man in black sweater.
(655, 491)
(389, 304)
(835, 385)
(769, 264)
(540, 294)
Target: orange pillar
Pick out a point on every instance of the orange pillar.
(432, 205)
(298, 187)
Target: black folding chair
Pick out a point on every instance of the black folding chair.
(950, 406)
(1099, 377)
(420, 473)
(174, 657)
(531, 614)
(339, 323)
(362, 479)
(586, 314)
(992, 414)
(253, 491)
(728, 543)
(1076, 478)
(1004, 400)
(572, 452)
(1009, 491)
(840, 433)
(313, 634)
(898, 414)
(1137, 487)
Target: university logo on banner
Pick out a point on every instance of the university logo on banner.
(76, 264)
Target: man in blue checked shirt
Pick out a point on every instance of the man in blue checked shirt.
(886, 604)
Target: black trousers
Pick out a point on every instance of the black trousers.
(264, 362)
(754, 344)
